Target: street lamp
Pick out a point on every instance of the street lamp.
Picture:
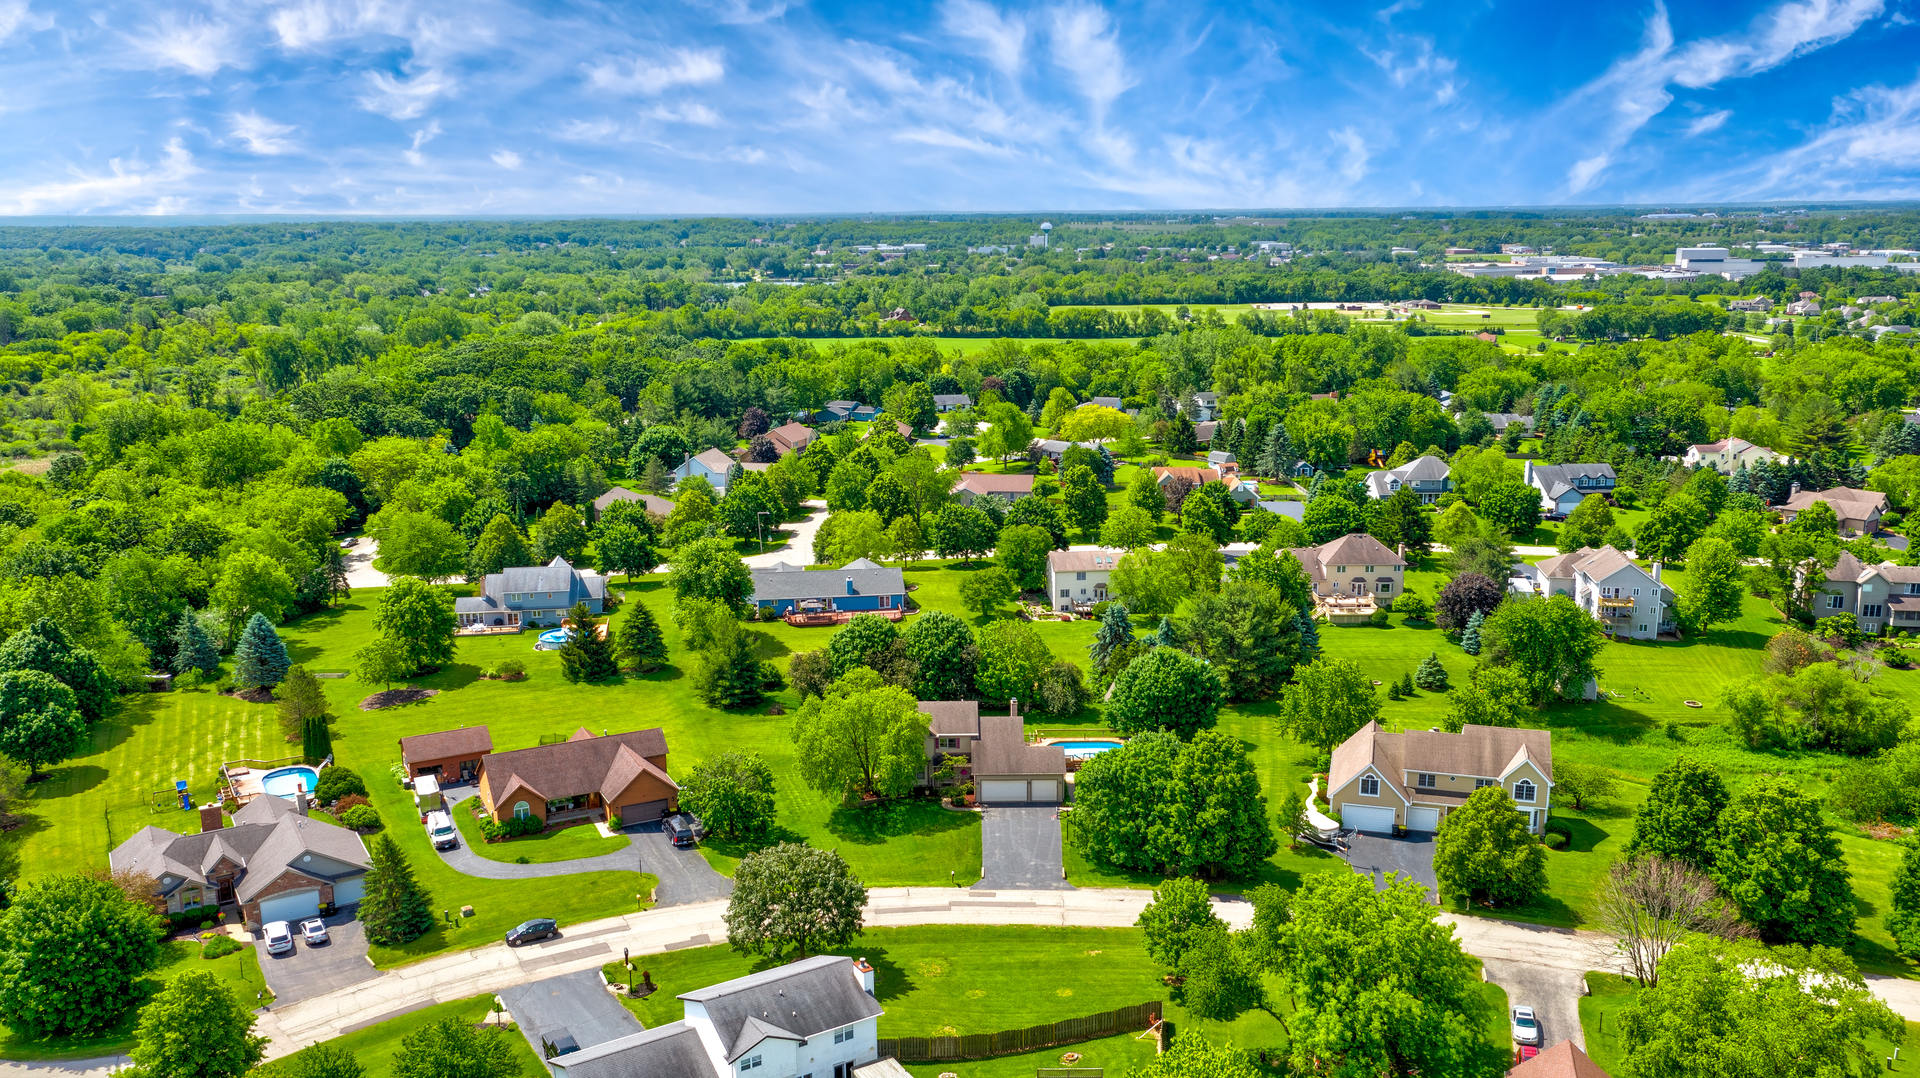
(760, 521)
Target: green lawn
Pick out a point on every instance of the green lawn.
(566, 844)
(375, 1045)
(238, 972)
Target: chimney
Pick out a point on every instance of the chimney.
(849, 585)
(1656, 570)
(301, 799)
(866, 974)
(211, 818)
(1013, 707)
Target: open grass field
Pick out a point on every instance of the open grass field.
(238, 973)
(374, 1046)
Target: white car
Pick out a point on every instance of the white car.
(1526, 1027)
(279, 936)
(314, 931)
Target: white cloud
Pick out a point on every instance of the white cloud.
(651, 75)
(691, 112)
(1000, 38)
(195, 45)
(18, 15)
(951, 140)
(595, 131)
(261, 135)
(399, 98)
(420, 138)
(1353, 154)
(742, 12)
(1584, 172)
(506, 159)
(1087, 46)
(1711, 122)
(123, 185)
(313, 24)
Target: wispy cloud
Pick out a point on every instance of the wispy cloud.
(506, 159)
(653, 74)
(261, 135)
(126, 184)
(414, 153)
(16, 15)
(192, 43)
(999, 37)
(401, 98)
(1709, 123)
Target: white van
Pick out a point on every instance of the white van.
(440, 829)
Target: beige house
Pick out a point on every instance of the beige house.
(620, 779)
(1628, 600)
(1077, 579)
(1381, 781)
(1859, 510)
(1727, 455)
(1884, 596)
(1005, 767)
(1352, 576)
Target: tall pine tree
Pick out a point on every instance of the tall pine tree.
(1115, 632)
(642, 646)
(395, 908)
(193, 647)
(1309, 636)
(260, 660)
(1470, 637)
(587, 654)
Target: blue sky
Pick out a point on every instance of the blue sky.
(746, 106)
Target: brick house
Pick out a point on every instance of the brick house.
(620, 779)
(274, 863)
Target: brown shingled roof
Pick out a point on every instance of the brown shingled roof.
(1563, 1060)
(952, 718)
(582, 764)
(1003, 750)
(443, 744)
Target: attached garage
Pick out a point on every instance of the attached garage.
(1003, 790)
(643, 812)
(1045, 791)
(347, 892)
(1422, 818)
(292, 906)
(1376, 818)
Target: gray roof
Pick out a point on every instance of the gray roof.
(268, 836)
(652, 503)
(670, 1051)
(573, 1008)
(1103, 402)
(1423, 469)
(953, 400)
(556, 575)
(793, 1002)
(952, 717)
(1003, 750)
(1291, 509)
(1557, 479)
(867, 578)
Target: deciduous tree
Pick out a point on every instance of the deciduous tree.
(1464, 596)
(732, 794)
(71, 949)
(1485, 853)
(794, 899)
(40, 722)
(944, 655)
(1680, 818)
(419, 619)
(194, 1028)
(455, 1048)
(1329, 701)
(711, 569)
(1552, 642)
(1011, 659)
(1650, 904)
(1165, 689)
(864, 738)
(1776, 857)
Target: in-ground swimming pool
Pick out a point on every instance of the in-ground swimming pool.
(1080, 750)
(288, 781)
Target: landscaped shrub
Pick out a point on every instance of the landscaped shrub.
(361, 818)
(337, 782)
(1554, 840)
(193, 918)
(506, 670)
(496, 830)
(1378, 619)
(349, 801)
(218, 945)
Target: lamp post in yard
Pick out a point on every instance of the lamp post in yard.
(760, 521)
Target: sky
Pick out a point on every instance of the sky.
(750, 107)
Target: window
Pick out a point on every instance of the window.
(1643, 628)
(1339, 568)
(1872, 610)
(521, 810)
(1065, 592)
(1369, 786)
(1523, 790)
(1913, 589)
(750, 1063)
(1425, 781)
(1369, 568)
(1079, 576)
(1834, 601)
(1383, 587)
(1477, 783)
(843, 1036)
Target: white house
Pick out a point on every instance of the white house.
(1077, 579)
(1428, 476)
(1205, 406)
(1563, 486)
(1727, 455)
(1628, 600)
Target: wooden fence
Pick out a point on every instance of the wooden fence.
(1134, 1019)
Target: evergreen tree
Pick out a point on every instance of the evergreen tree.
(1309, 637)
(260, 659)
(193, 647)
(1406, 684)
(1276, 458)
(587, 654)
(1115, 632)
(1430, 675)
(1180, 435)
(728, 674)
(642, 645)
(1166, 636)
(1470, 636)
(395, 908)
(1903, 920)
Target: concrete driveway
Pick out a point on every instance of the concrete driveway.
(798, 549)
(1554, 995)
(360, 570)
(1378, 855)
(306, 971)
(1020, 849)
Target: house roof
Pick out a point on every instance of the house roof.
(989, 483)
(581, 764)
(441, 744)
(1357, 548)
(792, 433)
(1844, 501)
(1207, 398)
(1557, 479)
(1203, 432)
(1481, 751)
(555, 576)
(268, 837)
(1221, 456)
(572, 1007)
(1102, 402)
(1597, 563)
(952, 718)
(1003, 750)
(952, 400)
(1424, 469)
(1198, 476)
(653, 504)
(1293, 510)
(798, 1000)
(865, 577)
(713, 460)
(1083, 561)
(1563, 1060)
(669, 1051)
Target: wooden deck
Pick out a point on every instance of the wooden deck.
(836, 617)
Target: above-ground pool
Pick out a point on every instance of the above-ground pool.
(288, 781)
(551, 639)
(1080, 750)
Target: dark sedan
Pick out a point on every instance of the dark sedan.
(540, 928)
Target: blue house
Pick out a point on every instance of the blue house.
(856, 586)
(846, 412)
(1562, 487)
(530, 595)
(709, 464)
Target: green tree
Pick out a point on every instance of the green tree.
(711, 569)
(1714, 585)
(1144, 494)
(46, 647)
(1776, 858)
(396, 909)
(1011, 659)
(864, 738)
(983, 591)
(732, 793)
(728, 674)
(1470, 635)
(587, 653)
(1329, 702)
(1181, 910)
(944, 655)
(1022, 552)
(1430, 675)
(1553, 642)
(1512, 506)
(629, 545)
(910, 403)
(1165, 689)
(1401, 520)
(1204, 516)
(1680, 819)
(642, 646)
(382, 661)
(1580, 785)
(455, 1048)
(251, 583)
(560, 532)
(500, 546)
(961, 531)
(1157, 804)
(861, 642)
(416, 544)
(1113, 636)
(260, 659)
(1008, 434)
(420, 619)
(300, 701)
(794, 899)
(1587, 525)
(194, 1028)
(71, 949)
(1127, 528)
(1218, 982)
(1903, 919)
(1085, 498)
(1484, 852)
(1671, 528)
(322, 1060)
(193, 647)
(40, 722)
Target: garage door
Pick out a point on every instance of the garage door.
(644, 812)
(1423, 819)
(1367, 818)
(347, 892)
(1003, 790)
(1045, 791)
(292, 906)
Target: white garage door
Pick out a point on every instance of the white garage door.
(1003, 790)
(1423, 819)
(292, 906)
(1046, 791)
(347, 892)
(1367, 818)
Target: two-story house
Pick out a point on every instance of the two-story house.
(791, 437)
(526, 595)
(1381, 781)
(812, 1018)
(1859, 511)
(1003, 765)
(1628, 600)
(1352, 576)
(1563, 486)
(1429, 477)
(1205, 407)
(1077, 579)
(709, 464)
(1884, 596)
(1727, 456)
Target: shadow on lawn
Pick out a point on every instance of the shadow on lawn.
(303, 631)
(1585, 834)
(871, 825)
(448, 678)
(1609, 720)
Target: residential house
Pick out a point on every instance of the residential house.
(531, 595)
(791, 437)
(1352, 576)
(1205, 406)
(1502, 420)
(1628, 600)
(1883, 596)
(1859, 510)
(1804, 307)
(567, 1013)
(846, 412)
(1203, 432)
(1007, 488)
(1756, 305)
(1381, 781)
(619, 779)
(1114, 403)
(1428, 476)
(451, 756)
(1223, 462)
(1292, 510)
(1053, 448)
(654, 504)
(1077, 579)
(274, 863)
(949, 402)
(1420, 305)
(709, 464)
(1004, 767)
(1199, 477)
(813, 1017)
(1727, 456)
(1563, 1060)
(1874, 301)
(859, 585)
(1562, 486)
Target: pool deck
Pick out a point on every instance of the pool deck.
(245, 783)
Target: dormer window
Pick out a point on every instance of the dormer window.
(1478, 783)
(1523, 790)
(1426, 781)
(1369, 786)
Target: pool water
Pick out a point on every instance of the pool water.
(287, 781)
(551, 639)
(1080, 750)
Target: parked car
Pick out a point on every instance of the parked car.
(684, 829)
(540, 928)
(314, 932)
(1526, 1027)
(349, 542)
(279, 935)
(440, 829)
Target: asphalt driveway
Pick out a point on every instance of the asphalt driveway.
(684, 875)
(1411, 858)
(1554, 995)
(306, 971)
(1020, 849)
